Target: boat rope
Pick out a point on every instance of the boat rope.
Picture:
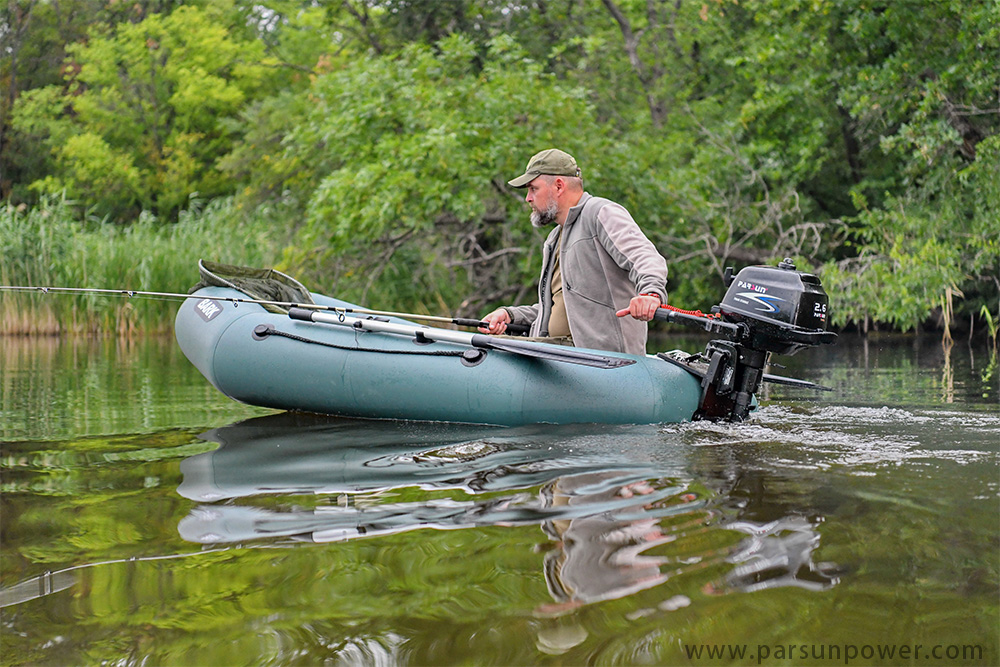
(262, 331)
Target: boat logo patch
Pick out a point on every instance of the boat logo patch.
(208, 309)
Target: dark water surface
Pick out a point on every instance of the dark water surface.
(149, 520)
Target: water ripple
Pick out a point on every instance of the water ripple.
(852, 436)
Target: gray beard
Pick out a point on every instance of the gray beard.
(545, 217)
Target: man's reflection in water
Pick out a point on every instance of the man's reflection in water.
(600, 556)
(605, 554)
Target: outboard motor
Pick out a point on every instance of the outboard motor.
(765, 310)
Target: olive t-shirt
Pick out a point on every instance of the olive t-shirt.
(558, 322)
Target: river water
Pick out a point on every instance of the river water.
(149, 520)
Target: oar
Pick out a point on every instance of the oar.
(481, 341)
(517, 329)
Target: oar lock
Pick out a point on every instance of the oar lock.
(262, 331)
(473, 356)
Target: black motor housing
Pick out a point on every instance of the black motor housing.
(784, 310)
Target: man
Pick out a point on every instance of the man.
(594, 261)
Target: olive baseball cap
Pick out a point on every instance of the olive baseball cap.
(551, 162)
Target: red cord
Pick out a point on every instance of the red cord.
(696, 313)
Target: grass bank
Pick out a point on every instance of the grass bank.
(49, 245)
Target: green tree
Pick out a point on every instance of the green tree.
(405, 159)
(855, 135)
(923, 95)
(734, 138)
(858, 136)
(141, 121)
(33, 40)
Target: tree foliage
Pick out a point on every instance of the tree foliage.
(858, 136)
(140, 121)
(405, 158)
(924, 101)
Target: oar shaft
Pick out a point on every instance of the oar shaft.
(516, 329)
(481, 341)
(441, 335)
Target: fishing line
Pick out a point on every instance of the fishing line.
(161, 296)
(514, 329)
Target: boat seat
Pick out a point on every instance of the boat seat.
(258, 284)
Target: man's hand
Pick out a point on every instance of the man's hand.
(497, 320)
(641, 308)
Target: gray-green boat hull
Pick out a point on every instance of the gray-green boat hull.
(506, 389)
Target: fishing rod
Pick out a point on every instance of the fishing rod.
(517, 329)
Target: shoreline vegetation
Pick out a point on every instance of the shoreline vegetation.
(48, 246)
(364, 149)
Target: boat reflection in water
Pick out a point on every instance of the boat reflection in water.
(617, 524)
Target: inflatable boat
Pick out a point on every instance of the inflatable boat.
(284, 347)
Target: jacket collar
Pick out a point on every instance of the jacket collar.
(574, 212)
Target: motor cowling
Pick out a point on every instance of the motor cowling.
(784, 310)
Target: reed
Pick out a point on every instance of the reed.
(51, 244)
